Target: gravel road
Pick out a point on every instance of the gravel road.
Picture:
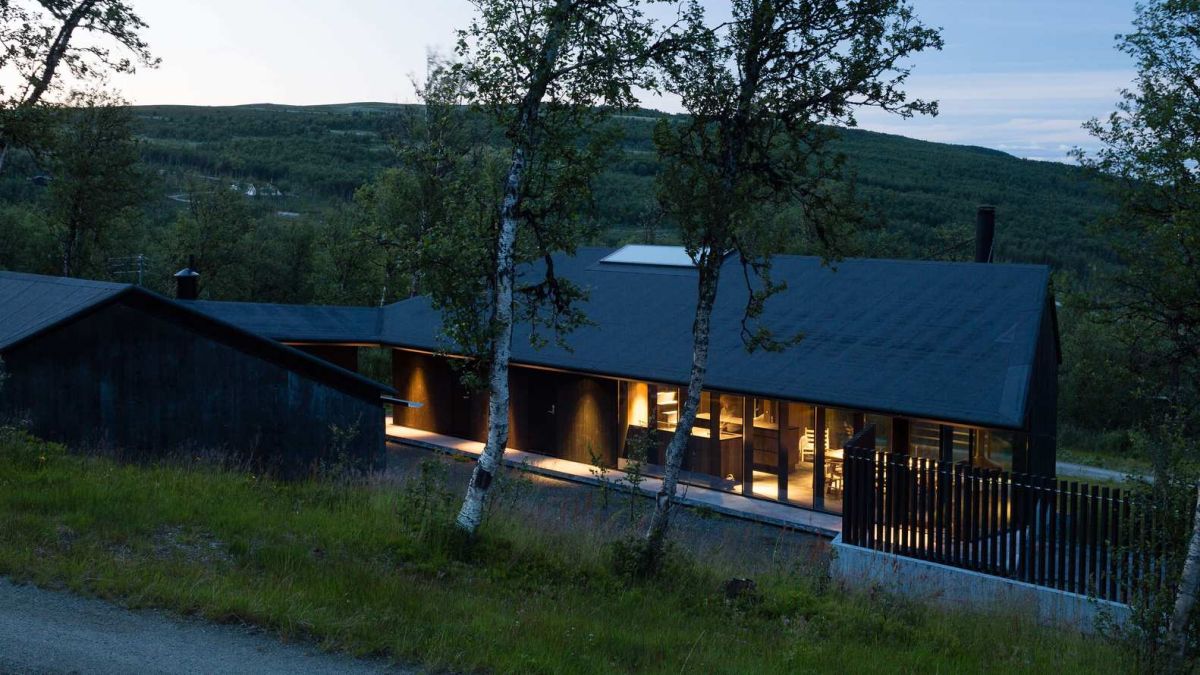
(45, 631)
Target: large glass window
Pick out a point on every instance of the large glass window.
(883, 431)
(963, 441)
(800, 439)
(764, 441)
(994, 449)
(669, 408)
(637, 439)
(840, 424)
(925, 440)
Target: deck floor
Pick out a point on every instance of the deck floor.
(734, 505)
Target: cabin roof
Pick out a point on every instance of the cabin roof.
(939, 340)
(31, 304)
(946, 341)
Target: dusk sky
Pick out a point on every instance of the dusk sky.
(1016, 75)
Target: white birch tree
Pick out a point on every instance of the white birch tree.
(40, 46)
(549, 72)
(763, 92)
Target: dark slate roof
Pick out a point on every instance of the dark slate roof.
(31, 304)
(298, 323)
(945, 341)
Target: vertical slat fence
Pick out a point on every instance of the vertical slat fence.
(1059, 534)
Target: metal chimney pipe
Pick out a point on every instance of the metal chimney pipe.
(187, 281)
(985, 234)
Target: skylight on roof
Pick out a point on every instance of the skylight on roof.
(645, 254)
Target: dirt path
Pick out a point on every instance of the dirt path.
(1095, 473)
(45, 631)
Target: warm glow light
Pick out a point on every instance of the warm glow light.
(639, 404)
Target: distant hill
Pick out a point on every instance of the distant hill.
(925, 193)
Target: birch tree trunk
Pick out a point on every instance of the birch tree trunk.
(660, 521)
(1185, 598)
(471, 513)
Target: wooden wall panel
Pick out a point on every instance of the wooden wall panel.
(1043, 403)
(339, 355)
(125, 378)
(428, 380)
(586, 418)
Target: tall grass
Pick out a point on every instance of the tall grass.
(368, 569)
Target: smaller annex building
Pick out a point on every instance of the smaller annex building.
(93, 363)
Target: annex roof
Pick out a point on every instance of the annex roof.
(31, 304)
(298, 323)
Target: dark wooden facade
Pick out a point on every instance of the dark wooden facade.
(565, 415)
(342, 356)
(151, 378)
(1042, 407)
(576, 416)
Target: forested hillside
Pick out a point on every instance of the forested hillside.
(923, 193)
(271, 200)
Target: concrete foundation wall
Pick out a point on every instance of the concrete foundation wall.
(956, 588)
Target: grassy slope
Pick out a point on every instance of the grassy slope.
(348, 567)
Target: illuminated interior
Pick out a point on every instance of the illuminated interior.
(783, 450)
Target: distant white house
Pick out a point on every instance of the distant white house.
(250, 190)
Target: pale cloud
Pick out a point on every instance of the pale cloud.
(1045, 79)
(1035, 115)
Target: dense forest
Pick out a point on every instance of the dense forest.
(922, 196)
(924, 193)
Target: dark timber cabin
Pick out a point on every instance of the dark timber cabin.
(96, 363)
(948, 360)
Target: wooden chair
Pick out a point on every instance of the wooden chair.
(833, 478)
(808, 447)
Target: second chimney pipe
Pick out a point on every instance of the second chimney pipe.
(187, 281)
(985, 234)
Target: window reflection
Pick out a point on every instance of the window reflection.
(668, 406)
(995, 449)
(800, 439)
(883, 431)
(925, 439)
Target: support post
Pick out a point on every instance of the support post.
(819, 461)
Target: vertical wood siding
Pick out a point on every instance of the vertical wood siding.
(127, 379)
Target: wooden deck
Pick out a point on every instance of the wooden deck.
(737, 506)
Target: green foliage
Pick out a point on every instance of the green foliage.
(215, 229)
(640, 444)
(1151, 146)
(915, 188)
(43, 53)
(1168, 502)
(599, 469)
(762, 91)
(97, 181)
